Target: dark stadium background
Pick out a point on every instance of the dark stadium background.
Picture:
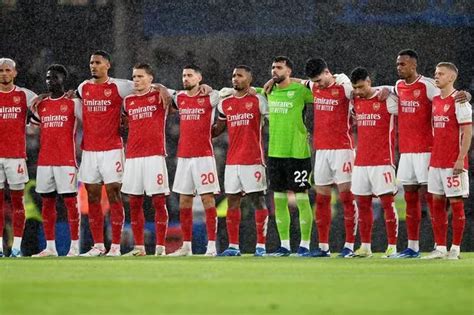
(218, 35)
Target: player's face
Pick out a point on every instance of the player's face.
(444, 77)
(362, 88)
(54, 80)
(7, 74)
(191, 79)
(406, 66)
(323, 80)
(280, 71)
(241, 79)
(99, 66)
(141, 80)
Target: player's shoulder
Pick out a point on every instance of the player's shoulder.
(23, 89)
(429, 82)
(120, 82)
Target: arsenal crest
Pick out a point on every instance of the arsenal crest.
(334, 92)
(107, 92)
(248, 105)
(376, 106)
(290, 94)
(16, 99)
(446, 107)
(416, 93)
(200, 101)
(63, 108)
(151, 99)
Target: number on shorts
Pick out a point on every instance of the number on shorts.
(20, 169)
(207, 179)
(159, 179)
(347, 167)
(388, 177)
(258, 175)
(72, 177)
(118, 166)
(453, 181)
(301, 177)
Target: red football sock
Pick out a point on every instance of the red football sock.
(48, 213)
(2, 212)
(18, 212)
(439, 217)
(96, 222)
(117, 217)
(350, 223)
(459, 221)
(323, 217)
(211, 223)
(161, 218)
(73, 217)
(138, 219)
(233, 225)
(261, 220)
(391, 218)
(186, 220)
(366, 218)
(413, 218)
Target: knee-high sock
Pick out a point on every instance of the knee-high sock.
(73, 217)
(261, 220)
(96, 222)
(233, 225)
(306, 215)
(211, 223)
(413, 219)
(186, 221)
(18, 212)
(366, 218)
(2, 213)
(459, 221)
(48, 213)
(282, 215)
(323, 217)
(161, 218)
(439, 217)
(391, 218)
(117, 217)
(350, 215)
(138, 219)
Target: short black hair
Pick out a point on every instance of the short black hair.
(358, 74)
(410, 53)
(284, 59)
(315, 66)
(102, 53)
(58, 68)
(246, 68)
(145, 66)
(193, 67)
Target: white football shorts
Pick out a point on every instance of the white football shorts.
(62, 179)
(245, 178)
(373, 180)
(101, 167)
(145, 175)
(197, 175)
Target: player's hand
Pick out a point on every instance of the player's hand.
(71, 94)
(341, 79)
(123, 125)
(458, 167)
(37, 100)
(267, 87)
(462, 97)
(165, 97)
(251, 91)
(383, 94)
(205, 89)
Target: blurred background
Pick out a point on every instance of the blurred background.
(218, 35)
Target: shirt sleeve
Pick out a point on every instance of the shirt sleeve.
(214, 98)
(125, 87)
(263, 105)
(348, 90)
(431, 89)
(308, 96)
(463, 113)
(392, 104)
(79, 89)
(30, 96)
(78, 108)
(220, 111)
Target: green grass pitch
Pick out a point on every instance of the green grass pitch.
(245, 285)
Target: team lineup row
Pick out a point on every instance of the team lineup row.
(434, 133)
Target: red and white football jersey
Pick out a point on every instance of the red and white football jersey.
(196, 114)
(58, 131)
(414, 114)
(146, 123)
(448, 116)
(375, 130)
(332, 118)
(244, 119)
(14, 105)
(101, 109)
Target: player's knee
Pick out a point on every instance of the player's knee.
(208, 201)
(185, 201)
(49, 195)
(257, 200)
(233, 201)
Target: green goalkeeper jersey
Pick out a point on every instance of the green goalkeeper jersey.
(288, 133)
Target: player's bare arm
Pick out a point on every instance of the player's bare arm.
(466, 131)
(218, 128)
